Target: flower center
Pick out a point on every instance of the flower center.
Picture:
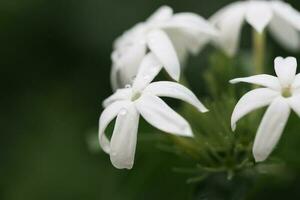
(286, 92)
(135, 96)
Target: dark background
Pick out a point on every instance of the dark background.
(55, 64)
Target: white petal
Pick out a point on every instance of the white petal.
(126, 62)
(296, 83)
(120, 94)
(258, 15)
(175, 90)
(251, 101)
(294, 103)
(261, 79)
(161, 14)
(285, 33)
(229, 21)
(285, 69)
(161, 46)
(270, 129)
(106, 117)
(287, 12)
(148, 70)
(157, 113)
(124, 138)
(191, 23)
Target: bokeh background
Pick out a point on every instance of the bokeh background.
(54, 67)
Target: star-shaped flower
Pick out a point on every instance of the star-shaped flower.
(170, 37)
(281, 93)
(142, 99)
(282, 20)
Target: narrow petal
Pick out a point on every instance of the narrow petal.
(157, 113)
(175, 90)
(192, 23)
(106, 117)
(258, 15)
(161, 46)
(270, 129)
(148, 70)
(251, 101)
(294, 103)
(161, 14)
(262, 80)
(120, 94)
(287, 12)
(296, 83)
(285, 69)
(126, 62)
(124, 138)
(285, 34)
(229, 21)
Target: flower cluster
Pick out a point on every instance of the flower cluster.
(163, 42)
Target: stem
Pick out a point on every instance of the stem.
(259, 47)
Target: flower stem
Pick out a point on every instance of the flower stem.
(259, 46)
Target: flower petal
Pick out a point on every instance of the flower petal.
(192, 23)
(270, 129)
(148, 70)
(294, 103)
(287, 12)
(126, 62)
(124, 138)
(120, 94)
(175, 90)
(252, 100)
(296, 83)
(261, 79)
(284, 33)
(161, 46)
(229, 21)
(258, 15)
(156, 112)
(106, 117)
(161, 14)
(285, 69)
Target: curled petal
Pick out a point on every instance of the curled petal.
(161, 46)
(229, 22)
(120, 94)
(106, 117)
(157, 113)
(124, 138)
(148, 70)
(258, 14)
(261, 79)
(175, 90)
(251, 101)
(285, 69)
(270, 128)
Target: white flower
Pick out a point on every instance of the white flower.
(282, 20)
(281, 93)
(142, 99)
(168, 36)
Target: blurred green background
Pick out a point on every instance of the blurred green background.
(55, 64)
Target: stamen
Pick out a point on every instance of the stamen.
(286, 92)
